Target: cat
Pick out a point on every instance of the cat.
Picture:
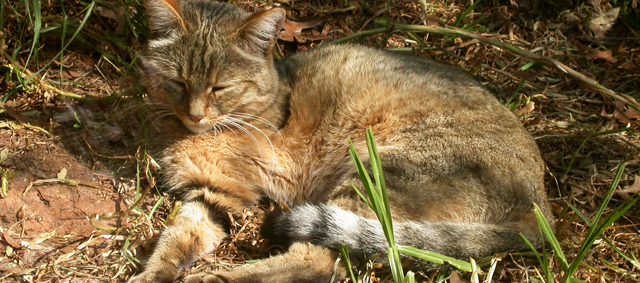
(462, 173)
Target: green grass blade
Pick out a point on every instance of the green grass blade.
(37, 25)
(410, 277)
(381, 189)
(435, 257)
(580, 214)
(609, 195)
(363, 197)
(362, 172)
(395, 264)
(595, 231)
(474, 23)
(344, 250)
(378, 200)
(87, 15)
(1, 15)
(551, 237)
(544, 261)
(527, 65)
(465, 13)
(631, 260)
(153, 210)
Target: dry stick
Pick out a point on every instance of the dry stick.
(68, 182)
(543, 59)
(126, 157)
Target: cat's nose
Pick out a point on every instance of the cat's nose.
(196, 118)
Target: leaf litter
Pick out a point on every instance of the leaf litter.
(572, 123)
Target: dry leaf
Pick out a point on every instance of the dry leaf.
(598, 54)
(10, 241)
(633, 189)
(75, 72)
(526, 109)
(62, 174)
(38, 239)
(629, 113)
(293, 30)
(627, 66)
(455, 278)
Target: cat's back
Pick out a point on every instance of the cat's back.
(361, 79)
(363, 86)
(357, 66)
(432, 123)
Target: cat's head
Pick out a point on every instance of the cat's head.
(207, 60)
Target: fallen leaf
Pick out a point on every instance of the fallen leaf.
(526, 109)
(75, 72)
(633, 189)
(594, 54)
(293, 30)
(625, 116)
(455, 278)
(38, 239)
(10, 241)
(62, 174)
(627, 66)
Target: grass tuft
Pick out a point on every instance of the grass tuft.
(596, 230)
(376, 197)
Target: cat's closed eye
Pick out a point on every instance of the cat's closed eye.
(215, 90)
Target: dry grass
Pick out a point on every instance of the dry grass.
(583, 133)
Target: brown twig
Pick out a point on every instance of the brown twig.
(67, 182)
(126, 157)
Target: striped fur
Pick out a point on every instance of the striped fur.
(462, 173)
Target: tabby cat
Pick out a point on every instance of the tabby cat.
(462, 172)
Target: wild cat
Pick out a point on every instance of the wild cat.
(462, 173)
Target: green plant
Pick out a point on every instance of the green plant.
(596, 230)
(378, 200)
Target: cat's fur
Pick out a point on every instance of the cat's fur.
(462, 173)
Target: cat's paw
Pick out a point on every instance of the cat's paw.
(204, 278)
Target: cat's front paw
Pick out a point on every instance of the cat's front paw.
(204, 278)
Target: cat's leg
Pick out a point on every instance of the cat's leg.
(303, 262)
(200, 225)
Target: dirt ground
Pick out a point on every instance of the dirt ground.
(81, 201)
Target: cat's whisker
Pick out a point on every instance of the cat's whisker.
(155, 115)
(160, 117)
(260, 131)
(240, 127)
(215, 135)
(254, 117)
(234, 133)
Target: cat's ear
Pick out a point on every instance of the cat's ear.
(164, 17)
(145, 67)
(259, 33)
